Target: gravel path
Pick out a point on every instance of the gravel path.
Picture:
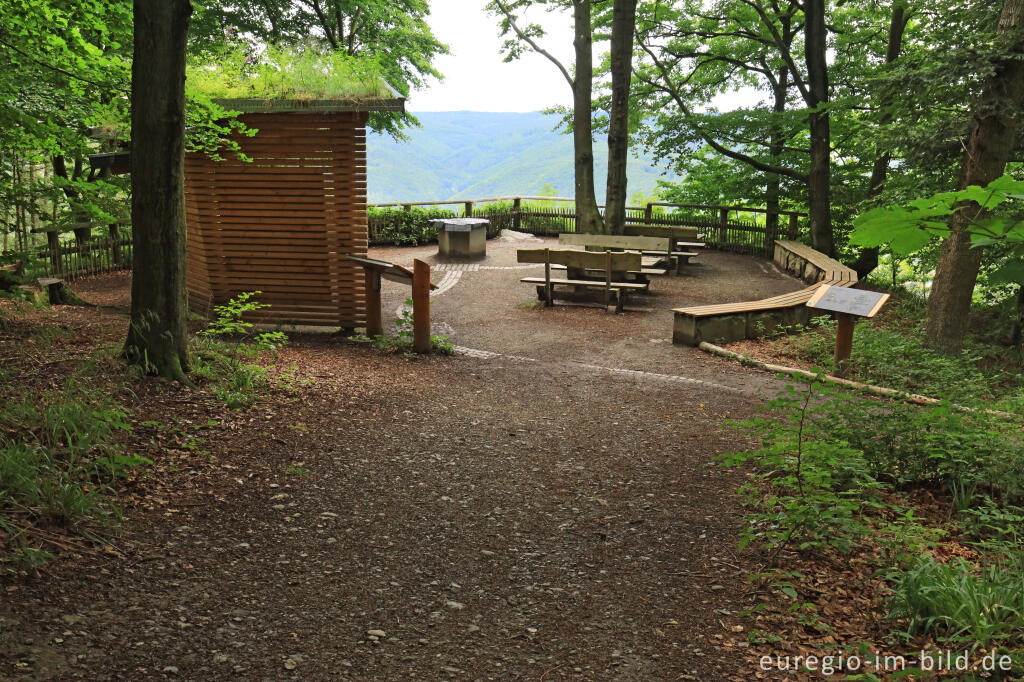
(548, 509)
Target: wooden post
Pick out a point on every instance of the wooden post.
(115, 245)
(607, 279)
(421, 307)
(406, 207)
(53, 241)
(548, 297)
(517, 207)
(469, 209)
(844, 342)
(374, 325)
(723, 225)
(794, 228)
(648, 213)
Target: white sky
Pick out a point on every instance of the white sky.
(476, 78)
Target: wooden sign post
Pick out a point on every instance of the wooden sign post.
(418, 279)
(849, 304)
(421, 307)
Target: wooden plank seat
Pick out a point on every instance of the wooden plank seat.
(750, 319)
(677, 233)
(680, 258)
(611, 265)
(810, 265)
(641, 276)
(683, 240)
(658, 249)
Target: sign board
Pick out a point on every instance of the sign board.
(850, 301)
(388, 271)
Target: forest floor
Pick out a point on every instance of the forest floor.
(543, 505)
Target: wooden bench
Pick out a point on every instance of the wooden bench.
(809, 265)
(612, 265)
(750, 319)
(684, 240)
(658, 250)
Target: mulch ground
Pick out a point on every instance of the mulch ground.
(531, 515)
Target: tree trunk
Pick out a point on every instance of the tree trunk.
(588, 217)
(773, 183)
(992, 139)
(867, 260)
(819, 202)
(1017, 330)
(157, 337)
(623, 27)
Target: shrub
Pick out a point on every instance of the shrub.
(226, 352)
(404, 228)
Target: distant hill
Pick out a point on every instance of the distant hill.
(471, 154)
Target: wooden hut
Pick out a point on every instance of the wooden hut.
(284, 223)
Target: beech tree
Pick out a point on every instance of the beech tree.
(157, 336)
(992, 140)
(695, 52)
(621, 59)
(581, 82)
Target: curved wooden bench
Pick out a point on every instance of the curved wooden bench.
(750, 319)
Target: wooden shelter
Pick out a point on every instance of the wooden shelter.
(284, 223)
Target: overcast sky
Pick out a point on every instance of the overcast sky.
(476, 78)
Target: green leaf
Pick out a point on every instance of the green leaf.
(1010, 272)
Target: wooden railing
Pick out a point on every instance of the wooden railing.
(739, 229)
(87, 255)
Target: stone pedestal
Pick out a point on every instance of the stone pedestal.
(462, 238)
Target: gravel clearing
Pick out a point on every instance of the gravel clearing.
(548, 509)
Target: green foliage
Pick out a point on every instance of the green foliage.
(907, 228)
(402, 341)
(303, 73)
(820, 488)
(899, 359)
(392, 35)
(968, 453)
(227, 352)
(59, 459)
(963, 603)
(404, 228)
(829, 474)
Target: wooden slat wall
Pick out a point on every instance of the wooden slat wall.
(284, 223)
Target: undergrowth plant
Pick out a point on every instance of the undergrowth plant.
(227, 352)
(402, 341)
(60, 458)
(830, 476)
(963, 603)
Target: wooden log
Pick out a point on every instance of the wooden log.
(421, 307)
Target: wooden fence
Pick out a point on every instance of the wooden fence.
(93, 256)
(738, 229)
